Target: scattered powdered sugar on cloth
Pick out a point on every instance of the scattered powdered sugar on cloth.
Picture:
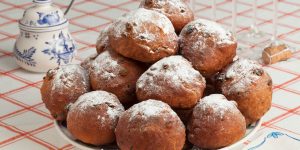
(149, 108)
(91, 99)
(105, 66)
(242, 73)
(137, 19)
(64, 76)
(218, 103)
(174, 70)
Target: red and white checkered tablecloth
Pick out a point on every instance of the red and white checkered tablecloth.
(25, 123)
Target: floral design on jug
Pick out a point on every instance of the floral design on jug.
(50, 19)
(61, 49)
(25, 56)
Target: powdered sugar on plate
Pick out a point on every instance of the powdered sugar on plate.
(218, 103)
(94, 98)
(149, 108)
(243, 73)
(175, 70)
(64, 76)
(136, 20)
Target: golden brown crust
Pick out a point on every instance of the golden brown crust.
(252, 89)
(173, 81)
(151, 126)
(61, 86)
(177, 11)
(93, 117)
(207, 45)
(116, 74)
(143, 35)
(215, 123)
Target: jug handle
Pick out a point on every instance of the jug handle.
(69, 7)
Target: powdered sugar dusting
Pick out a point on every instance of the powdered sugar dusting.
(102, 39)
(95, 98)
(243, 73)
(174, 70)
(101, 118)
(218, 103)
(149, 108)
(212, 28)
(168, 6)
(147, 36)
(137, 19)
(105, 66)
(173, 3)
(64, 76)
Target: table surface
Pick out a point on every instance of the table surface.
(25, 123)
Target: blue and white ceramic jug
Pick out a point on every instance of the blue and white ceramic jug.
(44, 41)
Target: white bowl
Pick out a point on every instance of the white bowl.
(63, 131)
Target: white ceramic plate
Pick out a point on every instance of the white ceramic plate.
(61, 128)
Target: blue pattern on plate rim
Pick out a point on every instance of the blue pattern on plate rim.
(274, 135)
(25, 56)
(50, 19)
(61, 49)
